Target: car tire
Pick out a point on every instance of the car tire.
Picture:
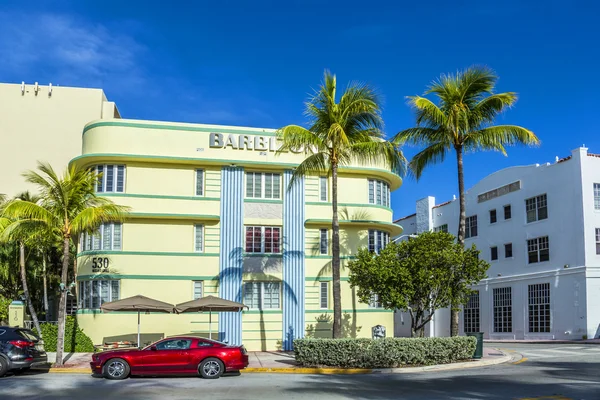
(3, 367)
(116, 368)
(211, 368)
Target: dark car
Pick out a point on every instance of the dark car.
(19, 350)
(179, 355)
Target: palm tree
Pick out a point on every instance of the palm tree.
(68, 207)
(462, 120)
(340, 134)
(22, 235)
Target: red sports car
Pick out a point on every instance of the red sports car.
(179, 355)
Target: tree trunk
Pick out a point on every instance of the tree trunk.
(454, 311)
(45, 279)
(34, 317)
(335, 259)
(62, 304)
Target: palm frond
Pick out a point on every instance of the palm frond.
(499, 136)
(295, 137)
(314, 164)
(427, 113)
(487, 109)
(433, 154)
(420, 136)
(374, 152)
(93, 216)
(19, 209)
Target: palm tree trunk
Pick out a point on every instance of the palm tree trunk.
(34, 317)
(60, 341)
(454, 313)
(45, 279)
(335, 250)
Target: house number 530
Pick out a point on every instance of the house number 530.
(99, 263)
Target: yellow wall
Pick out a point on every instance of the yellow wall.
(44, 127)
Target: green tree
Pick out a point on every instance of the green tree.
(461, 121)
(416, 275)
(340, 133)
(23, 233)
(68, 206)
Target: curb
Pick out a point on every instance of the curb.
(340, 371)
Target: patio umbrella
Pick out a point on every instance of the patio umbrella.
(140, 304)
(210, 304)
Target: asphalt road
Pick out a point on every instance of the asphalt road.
(557, 372)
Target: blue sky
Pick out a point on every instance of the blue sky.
(254, 63)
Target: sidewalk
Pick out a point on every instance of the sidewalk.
(549, 341)
(284, 363)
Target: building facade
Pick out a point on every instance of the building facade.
(44, 122)
(539, 228)
(213, 213)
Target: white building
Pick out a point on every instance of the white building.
(539, 228)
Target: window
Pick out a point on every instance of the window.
(536, 208)
(324, 295)
(197, 289)
(92, 294)
(379, 192)
(597, 240)
(507, 212)
(262, 295)
(323, 188)
(494, 253)
(441, 228)
(199, 182)
(111, 178)
(262, 239)
(493, 218)
(539, 308)
(508, 250)
(538, 249)
(471, 226)
(596, 196)
(174, 344)
(375, 302)
(471, 313)
(107, 237)
(378, 240)
(198, 238)
(261, 185)
(323, 242)
(502, 310)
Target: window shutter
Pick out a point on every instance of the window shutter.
(276, 186)
(110, 178)
(268, 186)
(371, 191)
(323, 189)
(199, 182)
(199, 242)
(197, 289)
(107, 236)
(120, 178)
(324, 295)
(100, 185)
(116, 239)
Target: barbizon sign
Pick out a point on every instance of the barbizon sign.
(245, 142)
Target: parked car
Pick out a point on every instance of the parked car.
(19, 350)
(180, 355)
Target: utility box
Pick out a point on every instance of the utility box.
(16, 314)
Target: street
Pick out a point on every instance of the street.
(548, 371)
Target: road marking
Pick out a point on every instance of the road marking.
(546, 398)
(522, 360)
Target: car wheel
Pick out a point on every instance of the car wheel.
(116, 368)
(211, 368)
(3, 367)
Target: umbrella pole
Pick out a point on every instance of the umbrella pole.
(138, 341)
(210, 324)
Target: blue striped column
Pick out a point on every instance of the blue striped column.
(293, 261)
(231, 255)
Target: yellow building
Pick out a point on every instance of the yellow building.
(212, 213)
(43, 122)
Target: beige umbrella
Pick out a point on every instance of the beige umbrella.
(140, 304)
(210, 304)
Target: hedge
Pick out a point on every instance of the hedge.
(383, 353)
(76, 341)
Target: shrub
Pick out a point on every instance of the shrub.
(383, 353)
(4, 303)
(76, 341)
